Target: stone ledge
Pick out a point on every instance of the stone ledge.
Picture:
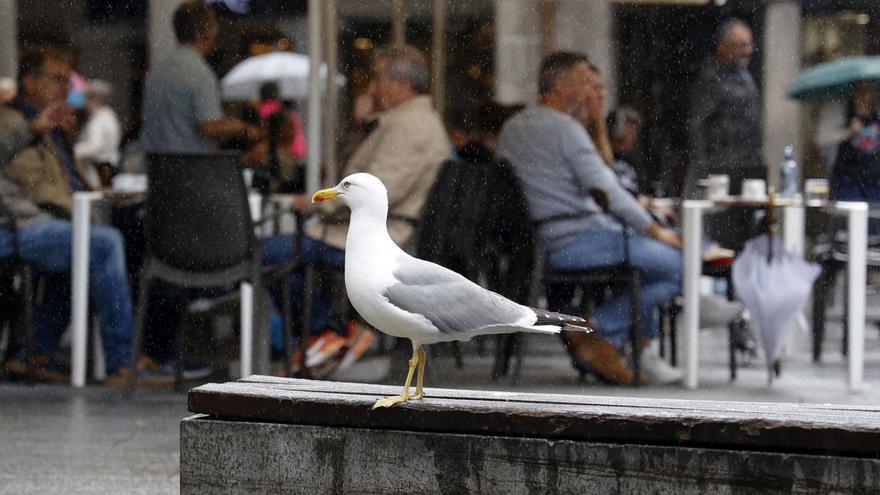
(235, 457)
(824, 429)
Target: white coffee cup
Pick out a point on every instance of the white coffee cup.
(816, 189)
(717, 186)
(754, 189)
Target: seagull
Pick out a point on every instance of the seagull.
(407, 297)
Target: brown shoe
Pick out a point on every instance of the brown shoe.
(45, 370)
(596, 355)
(145, 378)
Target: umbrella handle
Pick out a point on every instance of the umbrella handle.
(769, 220)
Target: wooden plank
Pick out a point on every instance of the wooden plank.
(685, 404)
(852, 431)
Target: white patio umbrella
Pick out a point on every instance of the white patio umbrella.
(774, 285)
(289, 70)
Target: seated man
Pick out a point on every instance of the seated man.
(44, 167)
(405, 149)
(47, 243)
(558, 166)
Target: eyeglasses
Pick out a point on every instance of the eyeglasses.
(55, 78)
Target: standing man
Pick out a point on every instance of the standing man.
(182, 112)
(559, 168)
(724, 126)
(724, 123)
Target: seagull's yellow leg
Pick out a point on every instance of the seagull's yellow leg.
(421, 377)
(404, 396)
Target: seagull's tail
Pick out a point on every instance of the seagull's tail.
(565, 322)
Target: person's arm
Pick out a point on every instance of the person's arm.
(228, 127)
(16, 133)
(402, 159)
(593, 174)
(406, 157)
(702, 107)
(208, 112)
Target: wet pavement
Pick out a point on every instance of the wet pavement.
(57, 440)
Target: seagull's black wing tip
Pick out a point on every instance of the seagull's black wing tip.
(577, 328)
(545, 317)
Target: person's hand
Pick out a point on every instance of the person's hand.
(253, 133)
(855, 127)
(663, 211)
(300, 202)
(362, 108)
(51, 117)
(67, 118)
(665, 235)
(256, 154)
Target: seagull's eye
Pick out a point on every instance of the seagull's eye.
(346, 184)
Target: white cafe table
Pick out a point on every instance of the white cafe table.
(793, 236)
(83, 203)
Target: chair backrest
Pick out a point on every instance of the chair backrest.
(452, 224)
(197, 216)
(510, 238)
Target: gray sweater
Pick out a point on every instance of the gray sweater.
(557, 165)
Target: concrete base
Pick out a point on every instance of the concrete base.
(237, 457)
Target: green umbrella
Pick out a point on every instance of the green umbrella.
(834, 79)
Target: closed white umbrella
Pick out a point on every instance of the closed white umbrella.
(774, 286)
(289, 70)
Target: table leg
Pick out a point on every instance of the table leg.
(82, 212)
(793, 233)
(856, 271)
(247, 329)
(693, 269)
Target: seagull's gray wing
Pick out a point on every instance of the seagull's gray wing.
(448, 300)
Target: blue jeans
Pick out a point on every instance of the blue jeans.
(660, 267)
(278, 249)
(47, 244)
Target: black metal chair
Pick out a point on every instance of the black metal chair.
(451, 230)
(17, 303)
(17, 298)
(200, 234)
(520, 261)
(831, 253)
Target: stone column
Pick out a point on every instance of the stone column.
(160, 34)
(517, 51)
(588, 27)
(782, 62)
(8, 38)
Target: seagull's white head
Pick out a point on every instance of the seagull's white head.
(357, 191)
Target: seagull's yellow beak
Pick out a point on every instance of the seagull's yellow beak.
(324, 195)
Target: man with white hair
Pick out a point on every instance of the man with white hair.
(405, 146)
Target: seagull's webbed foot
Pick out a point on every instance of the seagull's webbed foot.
(417, 359)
